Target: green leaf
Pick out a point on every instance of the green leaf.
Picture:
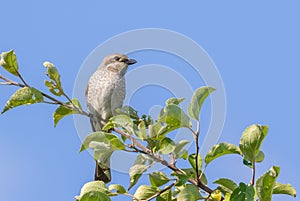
(198, 99)
(63, 111)
(180, 151)
(123, 121)
(174, 101)
(94, 191)
(96, 136)
(260, 157)
(227, 185)
(227, 197)
(247, 163)
(54, 84)
(266, 183)
(143, 192)
(284, 189)
(147, 120)
(141, 134)
(103, 144)
(109, 140)
(174, 116)
(118, 188)
(135, 172)
(221, 149)
(158, 130)
(216, 195)
(9, 62)
(115, 142)
(165, 196)
(95, 196)
(129, 111)
(93, 186)
(189, 193)
(192, 160)
(23, 96)
(153, 130)
(251, 141)
(243, 193)
(166, 146)
(181, 179)
(141, 159)
(158, 179)
(189, 173)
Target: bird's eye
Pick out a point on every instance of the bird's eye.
(117, 58)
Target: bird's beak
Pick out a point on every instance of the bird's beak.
(130, 61)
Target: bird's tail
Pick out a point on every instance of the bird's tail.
(102, 173)
(102, 170)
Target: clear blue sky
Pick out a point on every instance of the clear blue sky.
(255, 46)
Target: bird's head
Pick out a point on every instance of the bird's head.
(117, 63)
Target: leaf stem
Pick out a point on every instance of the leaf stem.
(253, 173)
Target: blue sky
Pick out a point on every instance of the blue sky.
(255, 46)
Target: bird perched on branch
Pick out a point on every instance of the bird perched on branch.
(105, 93)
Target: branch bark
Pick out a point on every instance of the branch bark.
(173, 167)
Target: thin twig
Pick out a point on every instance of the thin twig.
(133, 197)
(172, 158)
(3, 78)
(196, 137)
(202, 172)
(134, 141)
(193, 132)
(48, 102)
(67, 97)
(10, 82)
(4, 83)
(160, 192)
(21, 78)
(197, 156)
(71, 102)
(55, 101)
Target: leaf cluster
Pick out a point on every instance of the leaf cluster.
(152, 142)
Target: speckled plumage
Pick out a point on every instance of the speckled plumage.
(104, 94)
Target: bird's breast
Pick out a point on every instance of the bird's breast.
(105, 94)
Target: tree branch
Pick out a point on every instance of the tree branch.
(160, 192)
(173, 167)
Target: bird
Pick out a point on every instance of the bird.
(105, 92)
